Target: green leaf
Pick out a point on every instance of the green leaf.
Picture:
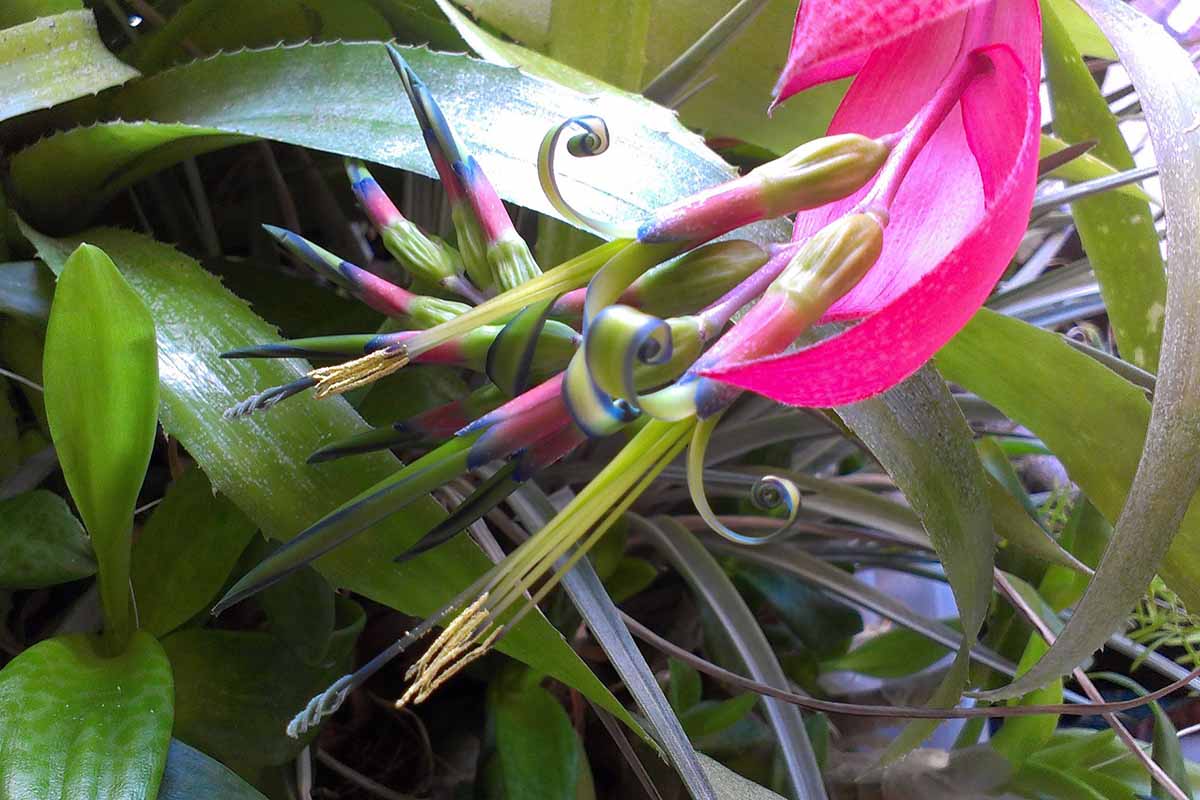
(540, 755)
(731, 786)
(234, 695)
(1020, 737)
(185, 553)
(101, 377)
(684, 688)
(1097, 431)
(41, 542)
(1166, 750)
(892, 654)
(301, 613)
(630, 576)
(15, 12)
(191, 775)
(211, 26)
(259, 463)
(945, 486)
(498, 114)
(1088, 39)
(710, 716)
(1117, 231)
(55, 59)
(80, 724)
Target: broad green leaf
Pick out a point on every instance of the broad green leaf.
(1087, 37)
(711, 716)
(1041, 780)
(191, 775)
(41, 542)
(604, 39)
(210, 26)
(498, 113)
(234, 694)
(259, 463)
(683, 689)
(892, 654)
(185, 553)
(301, 612)
(735, 103)
(630, 576)
(1097, 432)
(101, 378)
(945, 486)
(14, 12)
(713, 588)
(540, 754)
(1117, 231)
(55, 59)
(821, 624)
(80, 724)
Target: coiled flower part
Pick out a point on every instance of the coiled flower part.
(593, 141)
(769, 492)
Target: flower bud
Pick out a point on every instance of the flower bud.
(812, 175)
(830, 264)
(695, 280)
(426, 256)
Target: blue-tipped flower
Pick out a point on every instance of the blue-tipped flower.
(492, 251)
(381, 295)
(426, 256)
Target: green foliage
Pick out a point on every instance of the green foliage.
(81, 723)
(41, 542)
(231, 697)
(53, 59)
(185, 553)
(538, 752)
(260, 464)
(102, 404)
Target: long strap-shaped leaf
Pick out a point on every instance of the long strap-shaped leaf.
(1169, 470)
(947, 490)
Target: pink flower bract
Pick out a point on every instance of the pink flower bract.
(962, 209)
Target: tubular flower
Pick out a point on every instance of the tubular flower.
(958, 216)
(907, 214)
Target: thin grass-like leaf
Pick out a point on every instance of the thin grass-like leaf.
(603, 619)
(714, 588)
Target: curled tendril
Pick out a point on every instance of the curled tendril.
(593, 141)
(768, 492)
(619, 339)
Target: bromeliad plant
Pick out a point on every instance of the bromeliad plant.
(907, 213)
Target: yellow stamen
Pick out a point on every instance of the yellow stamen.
(456, 647)
(359, 372)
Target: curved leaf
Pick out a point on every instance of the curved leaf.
(1169, 470)
(100, 370)
(945, 485)
(344, 98)
(191, 775)
(260, 463)
(80, 724)
(55, 59)
(41, 542)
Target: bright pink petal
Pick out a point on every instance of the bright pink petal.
(833, 38)
(955, 223)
